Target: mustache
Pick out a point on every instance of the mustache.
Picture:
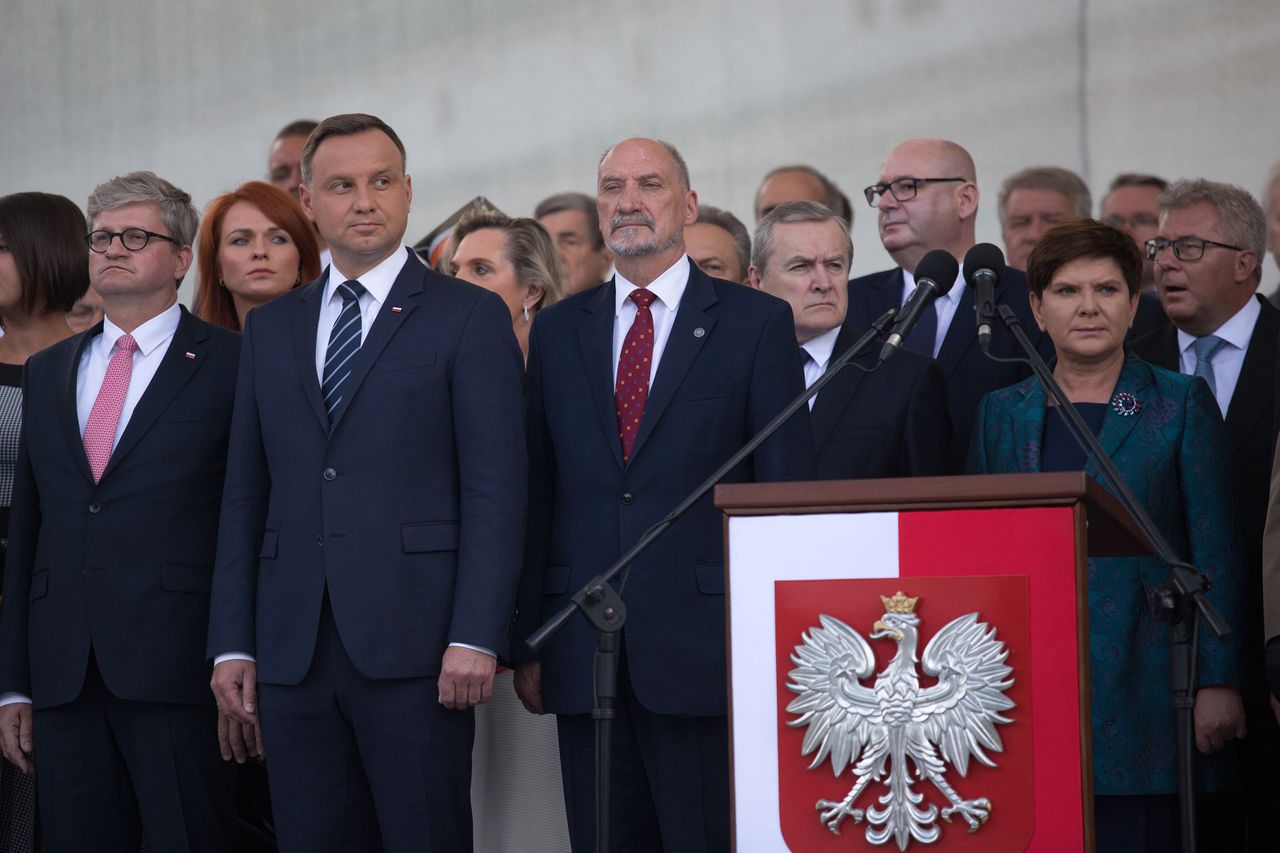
(622, 220)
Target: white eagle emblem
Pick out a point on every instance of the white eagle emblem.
(875, 730)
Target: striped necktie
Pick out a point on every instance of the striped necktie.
(344, 343)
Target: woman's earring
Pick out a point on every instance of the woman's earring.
(526, 313)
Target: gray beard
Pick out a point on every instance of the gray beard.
(645, 248)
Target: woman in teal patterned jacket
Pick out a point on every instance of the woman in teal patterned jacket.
(1166, 435)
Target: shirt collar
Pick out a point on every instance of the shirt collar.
(376, 281)
(953, 295)
(668, 287)
(149, 335)
(1236, 331)
(821, 347)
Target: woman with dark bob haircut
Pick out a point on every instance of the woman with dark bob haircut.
(44, 269)
(1166, 435)
(255, 244)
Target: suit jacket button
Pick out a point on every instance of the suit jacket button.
(320, 539)
(627, 498)
(330, 474)
(95, 508)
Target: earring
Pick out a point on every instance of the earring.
(222, 284)
(526, 313)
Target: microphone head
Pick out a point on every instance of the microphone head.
(983, 256)
(939, 267)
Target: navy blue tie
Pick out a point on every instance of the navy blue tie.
(922, 338)
(344, 343)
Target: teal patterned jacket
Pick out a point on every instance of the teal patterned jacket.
(1175, 456)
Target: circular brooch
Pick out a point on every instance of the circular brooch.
(1125, 404)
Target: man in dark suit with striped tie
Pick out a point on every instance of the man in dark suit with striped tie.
(371, 531)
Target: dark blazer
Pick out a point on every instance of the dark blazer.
(1172, 455)
(409, 510)
(1251, 425)
(123, 565)
(889, 422)
(730, 365)
(968, 373)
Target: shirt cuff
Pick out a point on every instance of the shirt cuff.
(14, 698)
(233, 656)
(480, 649)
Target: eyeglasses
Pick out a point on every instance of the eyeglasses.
(903, 189)
(1138, 220)
(133, 239)
(1184, 248)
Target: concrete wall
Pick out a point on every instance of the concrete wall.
(516, 100)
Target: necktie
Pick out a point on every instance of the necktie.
(344, 343)
(1206, 348)
(811, 372)
(104, 417)
(631, 391)
(922, 338)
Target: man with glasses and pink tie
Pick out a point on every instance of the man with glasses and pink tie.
(111, 543)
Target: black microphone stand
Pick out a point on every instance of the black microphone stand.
(605, 609)
(1177, 601)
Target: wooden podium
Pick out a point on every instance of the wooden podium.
(812, 575)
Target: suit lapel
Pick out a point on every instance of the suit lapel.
(185, 356)
(683, 346)
(1135, 379)
(1254, 395)
(835, 397)
(403, 298)
(1027, 419)
(1163, 351)
(595, 339)
(68, 400)
(884, 294)
(306, 319)
(961, 334)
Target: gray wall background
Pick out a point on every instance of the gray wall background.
(516, 100)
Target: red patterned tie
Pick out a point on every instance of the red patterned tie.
(631, 391)
(100, 431)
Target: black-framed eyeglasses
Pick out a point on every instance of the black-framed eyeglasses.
(903, 189)
(133, 239)
(1184, 248)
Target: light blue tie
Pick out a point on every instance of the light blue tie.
(1206, 348)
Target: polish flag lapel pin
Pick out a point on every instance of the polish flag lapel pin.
(190, 355)
(396, 309)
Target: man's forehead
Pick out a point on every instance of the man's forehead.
(810, 240)
(141, 214)
(1201, 216)
(636, 156)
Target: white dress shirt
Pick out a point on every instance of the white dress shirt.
(153, 338)
(668, 287)
(377, 284)
(819, 350)
(946, 305)
(1237, 332)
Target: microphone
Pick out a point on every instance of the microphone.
(935, 275)
(983, 266)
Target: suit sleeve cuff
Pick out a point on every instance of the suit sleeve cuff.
(13, 698)
(233, 656)
(480, 649)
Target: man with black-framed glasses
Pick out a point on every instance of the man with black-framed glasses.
(117, 490)
(927, 198)
(1207, 255)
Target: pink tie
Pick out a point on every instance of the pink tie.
(100, 432)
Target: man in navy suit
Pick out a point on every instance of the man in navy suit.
(1207, 252)
(373, 519)
(886, 421)
(111, 547)
(927, 198)
(639, 389)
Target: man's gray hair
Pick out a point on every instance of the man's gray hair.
(1052, 178)
(790, 212)
(179, 215)
(727, 221)
(835, 199)
(580, 202)
(1240, 217)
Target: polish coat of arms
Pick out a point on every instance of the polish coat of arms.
(874, 731)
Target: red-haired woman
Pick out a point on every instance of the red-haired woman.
(255, 244)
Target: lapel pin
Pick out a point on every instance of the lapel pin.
(699, 332)
(396, 309)
(1124, 403)
(191, 355)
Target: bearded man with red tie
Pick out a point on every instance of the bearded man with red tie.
(117, 489)
(638, 390)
